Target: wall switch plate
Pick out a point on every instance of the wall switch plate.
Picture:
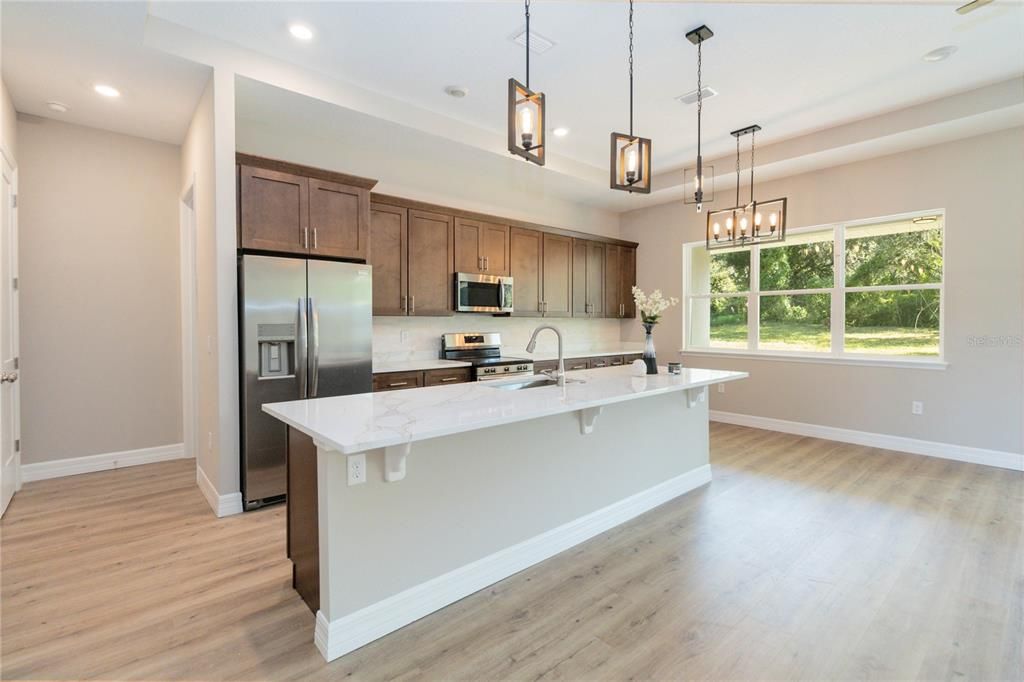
(917, 407)
(403, 336)
(721, 388)
(356, 469)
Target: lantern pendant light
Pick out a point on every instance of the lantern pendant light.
(526, 120)
(699, 184)
(744, 224)
(630, 162)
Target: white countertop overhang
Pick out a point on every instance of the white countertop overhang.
(357, 423)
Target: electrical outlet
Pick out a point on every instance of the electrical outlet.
(356, 469)
(721, 388)
(917, 407)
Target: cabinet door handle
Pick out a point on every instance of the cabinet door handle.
(479, 263)
(405, 304)
(314, 238)
(305, 237)
(412, 305)
(396, 384)
(447, 379)
(487, 263)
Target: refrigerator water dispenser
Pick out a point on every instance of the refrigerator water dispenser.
(277, 350)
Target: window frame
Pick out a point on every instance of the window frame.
(838, 291)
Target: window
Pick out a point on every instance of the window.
(870, 289)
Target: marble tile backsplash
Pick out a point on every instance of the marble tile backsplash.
(417, 338)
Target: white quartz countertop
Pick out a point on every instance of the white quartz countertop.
(355, 423)
(574, 354)
(383, 366)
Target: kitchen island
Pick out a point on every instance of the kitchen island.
(403, 502)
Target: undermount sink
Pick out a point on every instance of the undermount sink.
(532, 382)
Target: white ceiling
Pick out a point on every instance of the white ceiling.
(58, 51)
(793, 68)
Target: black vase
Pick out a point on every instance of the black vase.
(649, 356)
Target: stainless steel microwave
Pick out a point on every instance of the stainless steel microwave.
(482, 293)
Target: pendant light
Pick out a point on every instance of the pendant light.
(526, 121)
(699, 183)
(751, 223)
(630, 163)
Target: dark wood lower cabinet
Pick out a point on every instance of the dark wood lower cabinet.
(396, 381)
(440, 377)
(303, 518)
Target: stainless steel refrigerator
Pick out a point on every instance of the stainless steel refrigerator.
(306, 332)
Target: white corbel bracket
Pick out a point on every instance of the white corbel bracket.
(695, 395)
(394, 461)
(588, 416)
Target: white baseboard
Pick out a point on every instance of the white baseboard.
(222, 505)
(960, 453)
(108, 460)
(342, 635)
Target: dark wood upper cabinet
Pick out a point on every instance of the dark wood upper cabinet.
(556, 274)
(389, 256)
(612, 282)
(288, 208)
(525, 249)
(431, 259)
(338, 220)
(588, 264)
(620, 277)
(628, 281)
(481, 247)
(273, 210)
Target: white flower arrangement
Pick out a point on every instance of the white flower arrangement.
(652, 306)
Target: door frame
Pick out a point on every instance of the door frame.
(11, 313)
(189, 310)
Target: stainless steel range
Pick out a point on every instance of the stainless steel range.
(483, 351)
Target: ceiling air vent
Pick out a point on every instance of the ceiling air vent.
(538, 43)
(691, 97)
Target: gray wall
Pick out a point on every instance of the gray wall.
(979, 400)
(100, 318)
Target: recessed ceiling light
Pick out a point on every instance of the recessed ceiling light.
(560, 132)
(301, 32)
(106, 90)
(939, 53)
(457, 91)
(58, 107)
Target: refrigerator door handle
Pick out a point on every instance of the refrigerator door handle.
(314, 334)
(301, 348)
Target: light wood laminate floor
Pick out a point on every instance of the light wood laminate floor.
(802, 559)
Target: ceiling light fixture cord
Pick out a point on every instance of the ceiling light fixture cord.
(752, 134)
(737, 170)
(700, 109)
(631, 68)
(527, 44)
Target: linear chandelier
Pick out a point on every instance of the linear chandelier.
(698, 179)
(630, 163)
(743, 224)
(526, 121)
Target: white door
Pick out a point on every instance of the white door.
(10, 423)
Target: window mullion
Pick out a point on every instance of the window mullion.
(754, 299)
(838, 326)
